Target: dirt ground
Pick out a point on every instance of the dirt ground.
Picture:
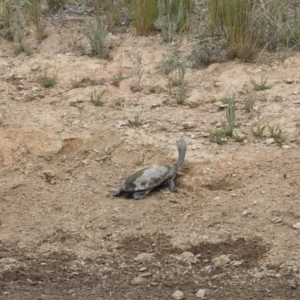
(228, 232)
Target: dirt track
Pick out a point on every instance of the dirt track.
(228, 229)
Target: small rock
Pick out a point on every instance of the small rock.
(289, 80)
(286, 147)
(201, 293)
(178, 295)
(188, 125)
(138, 280)
(187, 257)
(144, 257)
(296, 226)
(274, 264)
(221, 261)
(270, 141)
(35, 67)
(217, 84)
(142, 269)
(245, 213)
(258, 275)
(211, 68)
(146, 275)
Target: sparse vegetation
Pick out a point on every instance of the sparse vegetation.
(48, 81)
(277, 134)
(261, 85)
(218, 137)
(96, 34)
(258, 131)
(137, 119)
(230, 112)
(249, 104)
(137, 74)
(118, 78)
(169, 62)
(144, 13)
(96, 98)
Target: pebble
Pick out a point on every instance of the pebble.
(258, 275)
(296, 226)
(245, 213)
(146, 275)
(270, 141)
(144, 257)
(289, 80)
(201, 293)
(187, 257)
(138, 280)
(142, 269)
(221, 261)
(35, 67)
(178, 295)
(286, 147)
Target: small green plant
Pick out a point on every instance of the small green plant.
(48, 81)
(169, 20)
(96, 35)
(230, 112)
(218, 137)
(168, 63)
(249, 104)
(258, 131)
(137, 74)
(118, 78)
(145, 14)
(96, 98)
(262, 85)
(137, 119)
(227, 129)
(277, 134)
(238, 137)
(178, 79)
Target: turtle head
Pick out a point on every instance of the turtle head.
(181, 145)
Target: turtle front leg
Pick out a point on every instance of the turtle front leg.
(117, 192)
(139, 195)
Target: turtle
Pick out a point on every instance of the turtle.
(144, 180)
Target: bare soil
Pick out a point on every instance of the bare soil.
(227, 229)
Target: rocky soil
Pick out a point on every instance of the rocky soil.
(231, 230)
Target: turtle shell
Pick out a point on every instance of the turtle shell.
(149, 177)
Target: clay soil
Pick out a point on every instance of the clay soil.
(228, 228)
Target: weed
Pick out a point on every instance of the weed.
(137, 119)
(249, 104)
(137, 74)
(181, 96)
(218, 137)
(168, 63)
(48, 81)
(169, 20)
(238, 137)
(34, 8)
(80, 108)
(96, 98)
(83, 82)
(262, 85)
(56, 4)
(236, 20)
(230, 112)
(118, 78)
(258, 131)
(178, 78)
(96, 35)
(226, 129)
(145, 14)
(277, 134)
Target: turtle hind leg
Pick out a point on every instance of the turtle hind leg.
(140, 194)
(172, 185)
(117, 192)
